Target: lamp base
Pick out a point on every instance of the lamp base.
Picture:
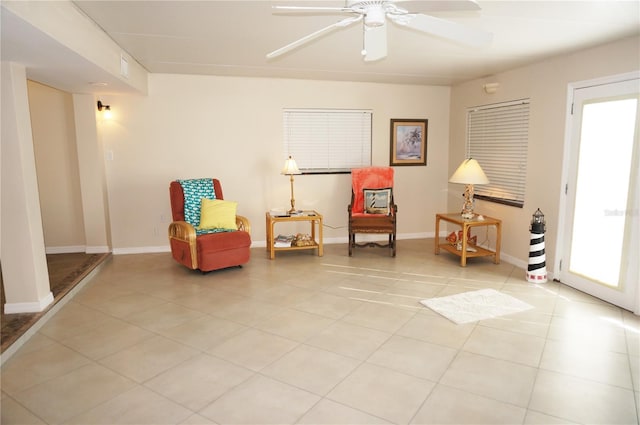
(467, 207)
(293, 201)
(467, 215)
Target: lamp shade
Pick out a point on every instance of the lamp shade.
(290, 167)
(469, 172)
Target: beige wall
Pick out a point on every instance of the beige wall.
(54, 144)
(546, 84)
(231, 128)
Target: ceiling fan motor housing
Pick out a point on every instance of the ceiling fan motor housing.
(374, 17)
(374, 11)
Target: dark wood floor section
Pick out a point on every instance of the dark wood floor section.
(65, 272)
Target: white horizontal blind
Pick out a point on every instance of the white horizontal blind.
(498, 135)
(328, 140)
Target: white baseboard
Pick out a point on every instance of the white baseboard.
(513, 260)
(343, 239)
(141, 250)
(524, 265)
(361, 238)
(263, 243)
(424, 235)
(72, 249)
(98, 249)
(64, 249)
(32, 307)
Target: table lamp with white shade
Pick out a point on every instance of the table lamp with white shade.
(469, 173)
(290, 168)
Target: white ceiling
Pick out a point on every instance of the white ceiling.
(233, 38)
(50, 62)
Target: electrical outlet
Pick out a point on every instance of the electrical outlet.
(155, 231)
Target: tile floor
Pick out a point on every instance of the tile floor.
(322, 340)
(65, 272)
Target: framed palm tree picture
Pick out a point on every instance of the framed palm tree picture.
(408, 142)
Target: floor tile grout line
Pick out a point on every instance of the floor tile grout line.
(25, 407)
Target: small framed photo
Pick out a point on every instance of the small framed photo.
(408, 142)
(377, 201)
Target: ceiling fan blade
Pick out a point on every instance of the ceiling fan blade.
(312, 9)
(375, 43)
(307, 38)
(428, 6)
(445, 29)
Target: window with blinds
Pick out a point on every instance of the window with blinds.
(497, 138)
(328, 140)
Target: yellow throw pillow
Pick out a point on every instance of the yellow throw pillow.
(218, 214)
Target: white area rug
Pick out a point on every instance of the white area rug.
(475, 305)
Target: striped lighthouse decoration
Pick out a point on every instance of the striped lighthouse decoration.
(537, 270)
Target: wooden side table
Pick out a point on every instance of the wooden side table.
(313, 217)
(476, 251)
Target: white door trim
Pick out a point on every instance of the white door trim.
(571, 88)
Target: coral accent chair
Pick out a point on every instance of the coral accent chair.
(368, 215)
(204, 249)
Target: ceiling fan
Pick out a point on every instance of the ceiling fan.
(374, 14)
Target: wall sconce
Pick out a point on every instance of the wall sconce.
(490, 88)
(107, 110)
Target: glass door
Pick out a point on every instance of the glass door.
(601, 234)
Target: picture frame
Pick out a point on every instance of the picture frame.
(377, 201)
(408, 142)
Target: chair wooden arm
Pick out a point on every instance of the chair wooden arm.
(243, 223)
(184, 232)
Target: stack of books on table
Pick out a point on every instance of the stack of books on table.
(283, 241)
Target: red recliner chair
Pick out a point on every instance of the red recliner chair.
(204, 249)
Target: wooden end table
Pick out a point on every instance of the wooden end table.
(465, 225)
(313, 217)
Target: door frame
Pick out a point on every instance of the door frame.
(562, 210)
